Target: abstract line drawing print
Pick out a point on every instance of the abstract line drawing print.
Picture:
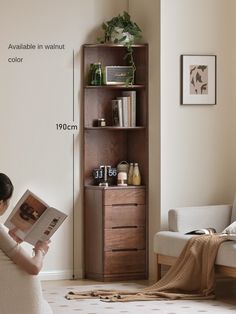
(198, 79)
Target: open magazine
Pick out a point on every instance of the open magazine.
(34, 219)
(228, 236)
(202, 231)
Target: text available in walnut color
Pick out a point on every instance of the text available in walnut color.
(116, 230)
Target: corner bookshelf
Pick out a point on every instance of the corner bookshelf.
(115, 218)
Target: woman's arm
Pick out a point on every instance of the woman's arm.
(9, 244)
(32, 265)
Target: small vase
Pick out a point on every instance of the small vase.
(121, 37)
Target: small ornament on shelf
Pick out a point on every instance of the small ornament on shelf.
(136, 178)
(122, 173)
(96, 77)
(122, 178)
(101, 122)
(123, 166)
(103, 176)
(130, 173)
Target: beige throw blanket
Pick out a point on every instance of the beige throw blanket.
(191, 277)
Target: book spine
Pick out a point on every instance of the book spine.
(124, 102)
(132, 95)
(117, 112)
(125, 111)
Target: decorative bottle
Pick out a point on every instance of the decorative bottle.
(130, 173)
(136, 178)
(97, 74)
(90, 74)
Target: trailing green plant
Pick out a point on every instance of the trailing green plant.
(121, 30)
(129, 56)
(121, 22)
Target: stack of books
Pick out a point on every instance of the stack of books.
(124, 109)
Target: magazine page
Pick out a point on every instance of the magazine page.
(46, 226)
(202, 231)
(25, 214)
(34, 219)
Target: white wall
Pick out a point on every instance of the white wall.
(232, 86)
(197, 142)
(35, 95)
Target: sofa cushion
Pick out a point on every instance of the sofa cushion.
(187, 219)
(227, 254)
(231, 229)
(172, 243)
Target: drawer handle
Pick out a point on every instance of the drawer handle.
(124, 250)
(124, 227)
(128, 204)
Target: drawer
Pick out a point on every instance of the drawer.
(123, 239)
(124, 196)
(124, 216)
(125, 262)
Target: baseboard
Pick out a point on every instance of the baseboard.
(60, 275)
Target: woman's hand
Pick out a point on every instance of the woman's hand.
(12, 233)
(42, 246)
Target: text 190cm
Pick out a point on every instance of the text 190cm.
(65, 127)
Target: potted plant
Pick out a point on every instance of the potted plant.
(121, 30)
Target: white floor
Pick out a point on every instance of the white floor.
(55, 292)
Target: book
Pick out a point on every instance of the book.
(117, 116)
(132, 95)
(125, 110)
(34, 219)
(202, 231)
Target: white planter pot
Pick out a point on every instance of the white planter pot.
(118, 34)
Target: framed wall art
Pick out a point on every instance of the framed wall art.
(198, 79)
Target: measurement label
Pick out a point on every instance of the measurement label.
(65, 127)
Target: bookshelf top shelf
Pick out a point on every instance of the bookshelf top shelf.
(114, 128)
(107, 45)
(114, 187)
(139, 86)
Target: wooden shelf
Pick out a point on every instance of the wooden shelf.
(121, 86)
(114, 128)
(114, 187)
(107, 45)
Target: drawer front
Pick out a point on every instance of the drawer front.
(124, 216)
(124, 239)
(124, 196)
(125, 262)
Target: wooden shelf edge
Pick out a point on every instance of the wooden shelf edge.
(107, 45)
(114, 128)
(120, 86)
(114, 187)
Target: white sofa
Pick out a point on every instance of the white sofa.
(169, 244)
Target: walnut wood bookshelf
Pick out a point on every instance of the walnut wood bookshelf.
(115, 218)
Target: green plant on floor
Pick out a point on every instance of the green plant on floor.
(121, 30)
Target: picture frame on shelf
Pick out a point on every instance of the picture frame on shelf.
(198, 79)
(117, 74)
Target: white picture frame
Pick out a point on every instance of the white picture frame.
(198, 79)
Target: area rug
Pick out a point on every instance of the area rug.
(60, 305)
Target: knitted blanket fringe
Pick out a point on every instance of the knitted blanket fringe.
(191, 277)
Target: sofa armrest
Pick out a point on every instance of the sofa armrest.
(187, 219)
